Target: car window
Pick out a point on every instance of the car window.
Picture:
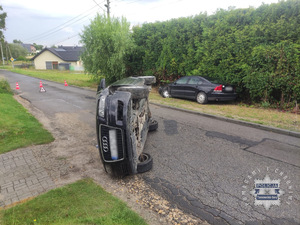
(182, 80)
(195, 80)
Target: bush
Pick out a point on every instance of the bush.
(4, 87)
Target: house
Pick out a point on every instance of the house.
(63, 57)
(30, 48)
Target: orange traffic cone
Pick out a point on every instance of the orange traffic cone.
(66, 83)
(17, 86)
(42, 89)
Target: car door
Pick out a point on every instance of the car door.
(178, 88)
(192, 87)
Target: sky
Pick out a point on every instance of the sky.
(59, 22)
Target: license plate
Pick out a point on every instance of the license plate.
(229, 89)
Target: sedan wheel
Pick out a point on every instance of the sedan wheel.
(166, 94)
(202, 98)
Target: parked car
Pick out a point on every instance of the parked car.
(122, 122)
(198, 88)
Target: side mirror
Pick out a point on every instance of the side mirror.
(102, 85)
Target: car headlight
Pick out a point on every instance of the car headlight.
(101, 106)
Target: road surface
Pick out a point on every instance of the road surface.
(205, 167)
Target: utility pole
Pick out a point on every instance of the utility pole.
(108, 8)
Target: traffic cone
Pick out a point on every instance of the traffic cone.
(17, 86)
(42, 89)
(66, 83)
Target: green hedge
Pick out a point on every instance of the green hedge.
(255, 49)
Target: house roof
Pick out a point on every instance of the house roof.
(27, 46)
(66, 53)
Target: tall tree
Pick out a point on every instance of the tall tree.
(2, 22)
(17, 50)
(107, 41)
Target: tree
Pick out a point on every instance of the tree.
(15, 41)
(107, 41)
(17, 50)
(38, 47)
(2, 22)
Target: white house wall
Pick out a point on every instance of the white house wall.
(47, 56)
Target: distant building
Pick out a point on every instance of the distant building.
(30, 48)
(63, 57)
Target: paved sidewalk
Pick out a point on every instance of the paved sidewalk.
(21, 177)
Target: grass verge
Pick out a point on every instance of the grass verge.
(268, 117)
(79, 79)
(82, 202)
(18, 128)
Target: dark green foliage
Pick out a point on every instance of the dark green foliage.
(257, 50)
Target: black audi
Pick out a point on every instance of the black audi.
(198, 88)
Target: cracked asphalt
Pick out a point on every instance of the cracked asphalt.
(208, 168)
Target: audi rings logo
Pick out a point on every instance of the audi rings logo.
(105, 144)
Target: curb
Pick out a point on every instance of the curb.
(240, 122)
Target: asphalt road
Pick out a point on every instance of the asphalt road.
(204, 166)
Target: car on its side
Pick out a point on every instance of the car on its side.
(198, 88)
(123, 120)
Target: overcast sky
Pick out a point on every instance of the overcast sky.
(58, 22)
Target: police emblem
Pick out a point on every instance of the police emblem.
(267, 192)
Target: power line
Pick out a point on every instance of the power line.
(66, 39)
(99, 5)
(55, 29)
(52, 33)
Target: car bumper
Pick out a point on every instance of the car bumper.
(215, 96)
(113, 131)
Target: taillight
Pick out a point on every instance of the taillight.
(219, 88)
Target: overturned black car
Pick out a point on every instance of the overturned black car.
(123, 120)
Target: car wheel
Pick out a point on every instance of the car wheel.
(153, 125)
(146, 163)
(137, 92)
(201, 98)
(166, 94)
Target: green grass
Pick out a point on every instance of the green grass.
(82, 202)
(18, 128)
(79, 79)
(268, 117)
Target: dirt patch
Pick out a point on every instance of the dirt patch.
(73, 156)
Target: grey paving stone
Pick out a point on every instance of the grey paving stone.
(22, 177)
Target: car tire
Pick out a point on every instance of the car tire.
(149, 79)
(153, 125)
(201, 98)
(146, 163)
(165, 92)
(137, 92)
